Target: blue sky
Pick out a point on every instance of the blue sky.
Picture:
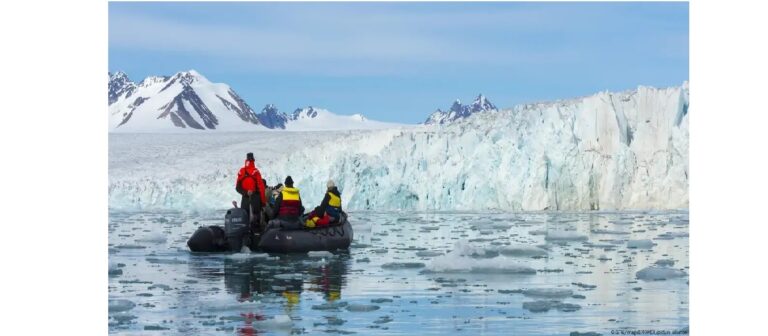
(399, 62)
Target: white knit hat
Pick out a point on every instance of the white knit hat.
(330, 184)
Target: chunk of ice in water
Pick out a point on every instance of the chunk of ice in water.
(165, 261)
(155, 237)
(546, 305)
(583, 285)
(160, 286)
(402, 265)
(119, 305)
(565, 236)
(611, 232)
(659, 273)
(568, 307)
(539, 306)
(245, 256)
(428, 254)
(320, 254)
(640, 244)
(381, 300)
(329, 306)
(114, 268)
(552, 293)
(460, 264)
(522, 250)
(355, 307)
(672, 235)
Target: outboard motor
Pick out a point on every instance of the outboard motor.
(236, 228)
(208, 239)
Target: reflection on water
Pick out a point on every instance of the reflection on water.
(287, 276)
(529, 273)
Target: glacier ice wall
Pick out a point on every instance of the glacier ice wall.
(625, 150)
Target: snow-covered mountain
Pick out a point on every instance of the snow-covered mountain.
(626, 150)
(313, 119)
(187, 101)
(459, 111)
(184, 101)
(272, 118)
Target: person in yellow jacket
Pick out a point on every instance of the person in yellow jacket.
(329, 210)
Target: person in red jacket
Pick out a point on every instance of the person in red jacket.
(250, 185)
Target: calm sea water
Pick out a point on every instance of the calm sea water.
(444, 273)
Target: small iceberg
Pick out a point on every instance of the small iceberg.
(640, 244)
(120, 305)
(522, 251)
(402, 265)
(320, 254)
(552, 293)
(546, 305)
(361, 307)
(565, 236)
(659, 273)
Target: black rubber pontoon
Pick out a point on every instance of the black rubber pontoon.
(285, 240)
(279, 236)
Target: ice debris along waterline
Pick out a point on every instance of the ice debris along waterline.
(480, 274)
(464, 259)
(626, 150)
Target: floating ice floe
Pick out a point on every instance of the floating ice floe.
(428, 253)
(320, 254)
(461, 264)
(672, 235)
(588, 333)
(665, 262)
(546, 305)
(246, 256)
(565, 236)
(552, 293)
(402, 265)
(381, 300)
(130, 247)
(155, 237)
(121, 318)
(611, 232)
(160, 286)
(330, 306)
(463, 259)
(522, 250)
(354, 307)
(165, 261)
(119, 305)
(659, 273)
(640, 244)
(583, 285)
(114, 268)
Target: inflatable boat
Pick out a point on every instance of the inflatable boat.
(279, 236)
